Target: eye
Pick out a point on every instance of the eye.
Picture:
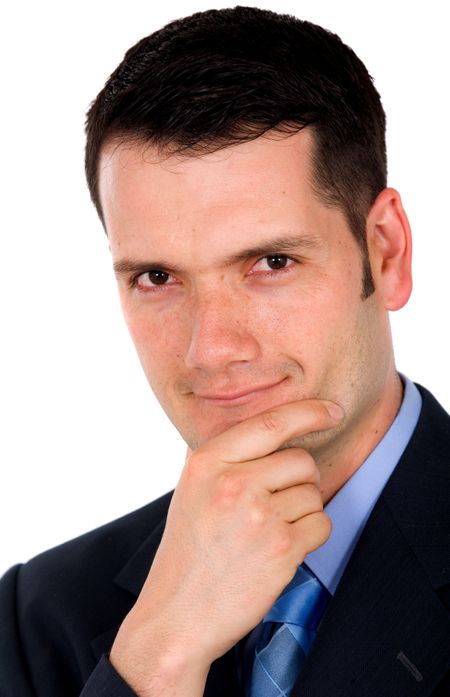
(150, 279)
(273, 263)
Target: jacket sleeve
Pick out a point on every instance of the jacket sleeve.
(19, 679)
(106, 682)
(15, 680)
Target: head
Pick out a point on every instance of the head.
(223, 77)
(237, 161)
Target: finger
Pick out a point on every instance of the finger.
(283, 469)
(264, 433)
(296, 502)
(311, 532)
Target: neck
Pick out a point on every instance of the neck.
(349, 454)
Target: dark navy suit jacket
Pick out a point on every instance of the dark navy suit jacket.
(386, 632)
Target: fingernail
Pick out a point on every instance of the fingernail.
(335, 411)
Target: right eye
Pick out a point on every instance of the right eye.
(150, 280)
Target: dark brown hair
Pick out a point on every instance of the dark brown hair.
(221, 77)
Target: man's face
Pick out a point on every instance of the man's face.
(241, 289)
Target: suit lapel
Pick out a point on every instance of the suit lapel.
(386, 631)
(131, 578)
(133, 575)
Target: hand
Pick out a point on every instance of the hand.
(242, 518)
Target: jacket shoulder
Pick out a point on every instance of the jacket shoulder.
(56, 604)
(99, 553)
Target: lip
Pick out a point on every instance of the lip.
(239, 396)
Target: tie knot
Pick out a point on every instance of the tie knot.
(302, 602)
(287, 633)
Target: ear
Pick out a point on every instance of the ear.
(390, 249)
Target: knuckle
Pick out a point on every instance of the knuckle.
(281, 543)
(309, 466)
(229, 487)
(271, 421)
(257, 514)
(196, 464)
(314, 496)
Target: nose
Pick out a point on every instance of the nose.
(221, 334)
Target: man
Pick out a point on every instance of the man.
(237, 161)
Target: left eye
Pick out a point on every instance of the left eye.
(274, 262)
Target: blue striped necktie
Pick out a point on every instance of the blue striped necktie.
(288, 630)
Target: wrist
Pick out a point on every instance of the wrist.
(156, 670)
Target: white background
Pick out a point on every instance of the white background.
(82, 438)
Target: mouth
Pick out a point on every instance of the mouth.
(238, 397)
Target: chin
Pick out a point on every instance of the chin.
(316, 442)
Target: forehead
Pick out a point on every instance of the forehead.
(127, 170)
(235, 196)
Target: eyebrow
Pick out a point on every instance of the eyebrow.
(282, 244)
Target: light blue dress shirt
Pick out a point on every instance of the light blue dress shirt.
(351, 506)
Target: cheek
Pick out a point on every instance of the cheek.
(304, 322)
(158, 342)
